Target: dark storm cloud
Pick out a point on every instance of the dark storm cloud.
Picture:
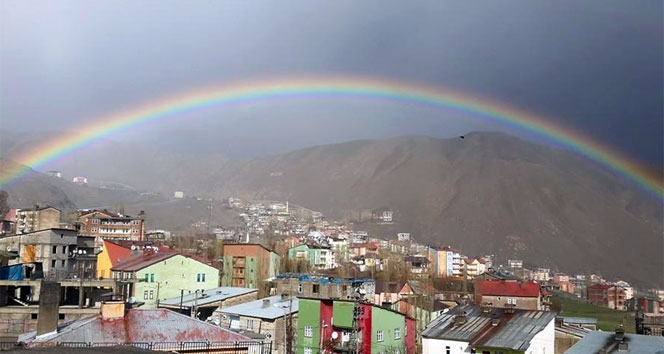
(592, 65)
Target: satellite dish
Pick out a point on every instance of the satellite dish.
(335, 335)
(133, 247)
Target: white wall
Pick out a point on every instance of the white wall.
(543, 342)
(438, 346)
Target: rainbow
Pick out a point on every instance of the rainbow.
(331, 87)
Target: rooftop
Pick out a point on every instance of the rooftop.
(206, 297)
(277, 307)
(596, 340)
(513, 331)
(138, 325)
(321, 279)
(508, 288)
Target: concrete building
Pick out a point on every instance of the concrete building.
(106, 225)
(52, 249)
(618, 343)
(509, 293)
(36, 219)
(247, 264)
(471, 329)
(201, 304)
(158, 274)
(336, 326)
(607, 295)
(447, 262)
(304, 285)
(319, 256)
(272, 317)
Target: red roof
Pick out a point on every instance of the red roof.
(116, 252)
(141, 260)
(10, 216)
(509, 288)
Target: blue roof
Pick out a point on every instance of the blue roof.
(207, 296)
(258, 309)
(636, 343)
(578, 320)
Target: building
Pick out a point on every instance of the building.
(247, 264)
(80, 180)
(403, 236)
(509, 293)
(448, 262)
(514, 263)
(570, 330)
(8, 223)
(161, 328)
(54, 173)
(336, 326)
(52, 249)
(473, 267)
(84, 258)
(319, 256)
(417, 264)
(202, 304)
(564, 283)
(36, 219)
(472, 329)
(305, 285)
(618, 342)
(629, 290)
(112, 251)
(272, 317)
(649, 317)
(607, 295)
(106, 225)
(178, 195)
(157, 274)
(542, 275)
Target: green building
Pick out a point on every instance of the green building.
(246, 264)
(322, 257)
(326, 325)
(162, 274)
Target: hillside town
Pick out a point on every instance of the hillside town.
(289, 280)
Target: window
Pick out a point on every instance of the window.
(33, 316)
(447, 349)
(147, 277)
(308, 331)
(55, 249)
(63, 263)
(250, 324)
(316, 288)
(307, 350)
(299, 288)
(145, 295)
(64, 249)
(61, 316)
(95, 221)
(53, 263)
(152, 278)
(202, 277)
(380, 337)
(151, 294)
(397, 333)
(94, 229)
(198, 277)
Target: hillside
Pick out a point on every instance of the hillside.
(487, 193)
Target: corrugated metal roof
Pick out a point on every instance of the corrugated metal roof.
(207, 296)
(142, 325)
(596, 340)
(577, 320)
(513, 331)
(140, 261)
(276, 308)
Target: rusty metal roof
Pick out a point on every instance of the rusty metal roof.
(141, 325)
(496, 328)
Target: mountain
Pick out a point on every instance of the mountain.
(489, 193)
(486, 193)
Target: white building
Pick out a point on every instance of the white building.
(403, 236)
(629, 290)
(469, 329)
(178, 195)
(514, 263)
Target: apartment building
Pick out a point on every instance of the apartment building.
(36, 219)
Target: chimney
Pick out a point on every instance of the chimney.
(285, 296)
(460, 319)
(112, 309)
(49, 306)
(266, 303)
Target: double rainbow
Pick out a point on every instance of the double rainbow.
(331, 87)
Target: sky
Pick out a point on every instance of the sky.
(594, 66)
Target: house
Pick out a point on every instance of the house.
(607, 295)
(157, 274)
(247, 264)
(305, 285)
(272, 317)
(447, 262)
(629, 290)
(202, 304)
(508, 293)
(319, 256)
(570, 330)
(473, 267)
(649, 317)
(336, 326)
(106, 225)
(617, 342)
(403, 236)
(52, 248)
(564, 283)
(418, 264)
(112, 251)
(159, 328)
(36, 219)
(472, 329)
